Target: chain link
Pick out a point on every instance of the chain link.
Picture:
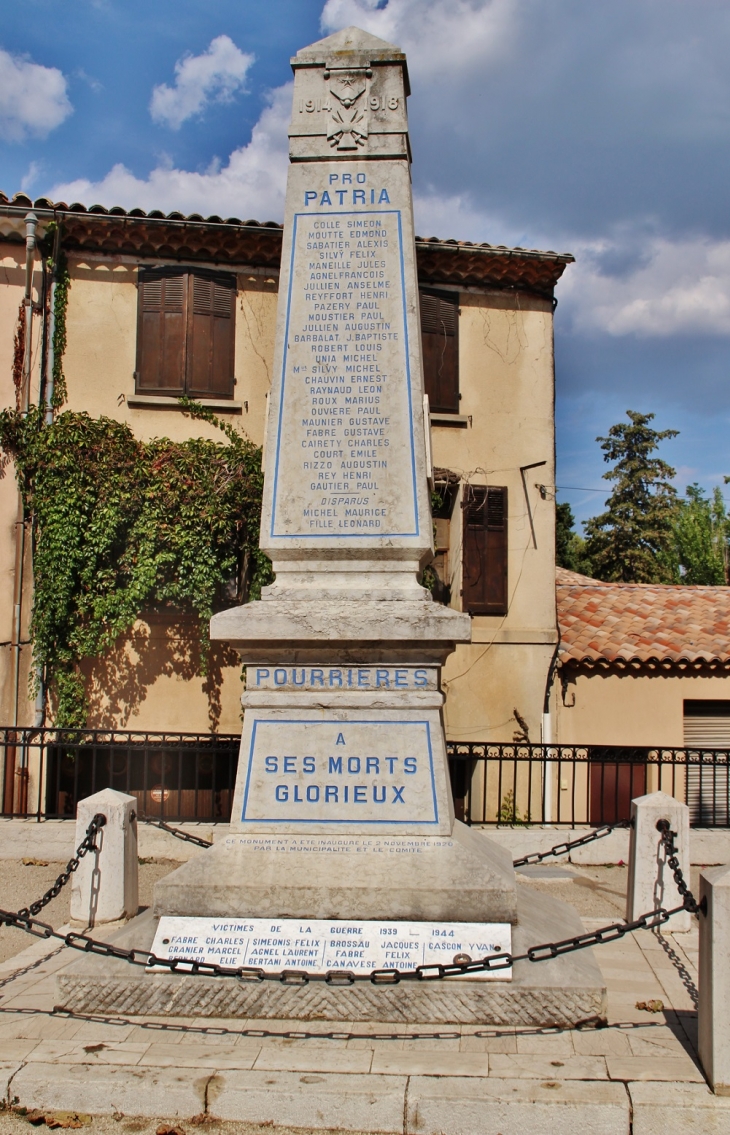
(562, 848)
(23, 920)
(188, 837)
(87, 844)
(689, 901)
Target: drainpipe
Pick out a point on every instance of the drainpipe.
(31, 222)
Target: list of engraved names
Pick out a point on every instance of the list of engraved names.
(345, 463)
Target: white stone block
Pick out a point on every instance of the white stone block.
(651, 883)
(714, 978)
(105, 887)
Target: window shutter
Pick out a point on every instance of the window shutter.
(211, 335)
(440, 339)
(161, 321)
(484, 589)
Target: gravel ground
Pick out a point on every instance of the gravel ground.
(21, 884)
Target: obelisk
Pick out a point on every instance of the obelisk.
(342, 806)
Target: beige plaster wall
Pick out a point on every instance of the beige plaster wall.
(599, 707)
(507, 387)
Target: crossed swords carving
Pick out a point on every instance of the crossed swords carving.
(348, 119)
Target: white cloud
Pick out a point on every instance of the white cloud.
(31, 176)
(251, 184)
(679, 286)
(33, 98)
(437, 35)
(214, 76)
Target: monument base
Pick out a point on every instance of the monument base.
(560, 993)
(463, 877)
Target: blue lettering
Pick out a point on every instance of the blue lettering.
(390, 762)
(317, 677)
(261, 674)
(401, 678)
(420, 678)
(335, 764)
(410, 764)
(382, 678)
(381, 798)
(294, 677)
(347, 179)
(282, 793)
(330, 793)
(335, 677)
(384, 199)
(341, 194)
(372, 765)
(363, 677)
(360, 178)
(398, 795)
(310, 195)
(325, 199)
(272, 764)
(297, 797)
(353, 764)
(312, 793)
(358, 196)
(308, 764)
(340, 739)
(290, 764)
(358, 794)
(279, 677)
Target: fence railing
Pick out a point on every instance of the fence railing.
(176, 776)
(190, 776)
(570, 785)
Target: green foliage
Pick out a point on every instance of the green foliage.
(633, 540)
(701, 534)
(570, 548)
(60, 304)
(121, 525)
(508, 813)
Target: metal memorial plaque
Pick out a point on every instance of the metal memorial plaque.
(319, 945)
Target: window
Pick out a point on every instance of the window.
(484, 584)
(440, 339)
(707, 726)
(185, 332)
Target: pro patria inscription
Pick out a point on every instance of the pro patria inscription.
(345, 451)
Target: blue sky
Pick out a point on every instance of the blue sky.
(602, 129)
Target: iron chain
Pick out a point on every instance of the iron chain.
(87, 844)
(689, 901)
(188, 837)
(562, 848)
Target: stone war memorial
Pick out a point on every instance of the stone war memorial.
(343, 854)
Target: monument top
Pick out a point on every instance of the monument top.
(350, 47)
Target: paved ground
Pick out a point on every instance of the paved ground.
(642, 1068)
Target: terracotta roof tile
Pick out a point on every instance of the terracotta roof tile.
(604, 623)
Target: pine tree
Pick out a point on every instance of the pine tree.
(701, 538)
(633, 540)
(570, 548)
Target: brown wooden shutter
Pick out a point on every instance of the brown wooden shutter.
(161, 331)
(440, 338)
(211, 335)
(484, 568)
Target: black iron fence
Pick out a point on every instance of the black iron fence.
(175, 776)
(189, 776)
(572, 785)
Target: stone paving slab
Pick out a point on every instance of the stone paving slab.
(366, 1076)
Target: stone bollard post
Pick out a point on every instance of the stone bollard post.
(651, 884)
(714, 978)
(105, 887)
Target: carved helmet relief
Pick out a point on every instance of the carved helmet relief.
(348, 124)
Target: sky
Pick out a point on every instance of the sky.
(602, 129)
